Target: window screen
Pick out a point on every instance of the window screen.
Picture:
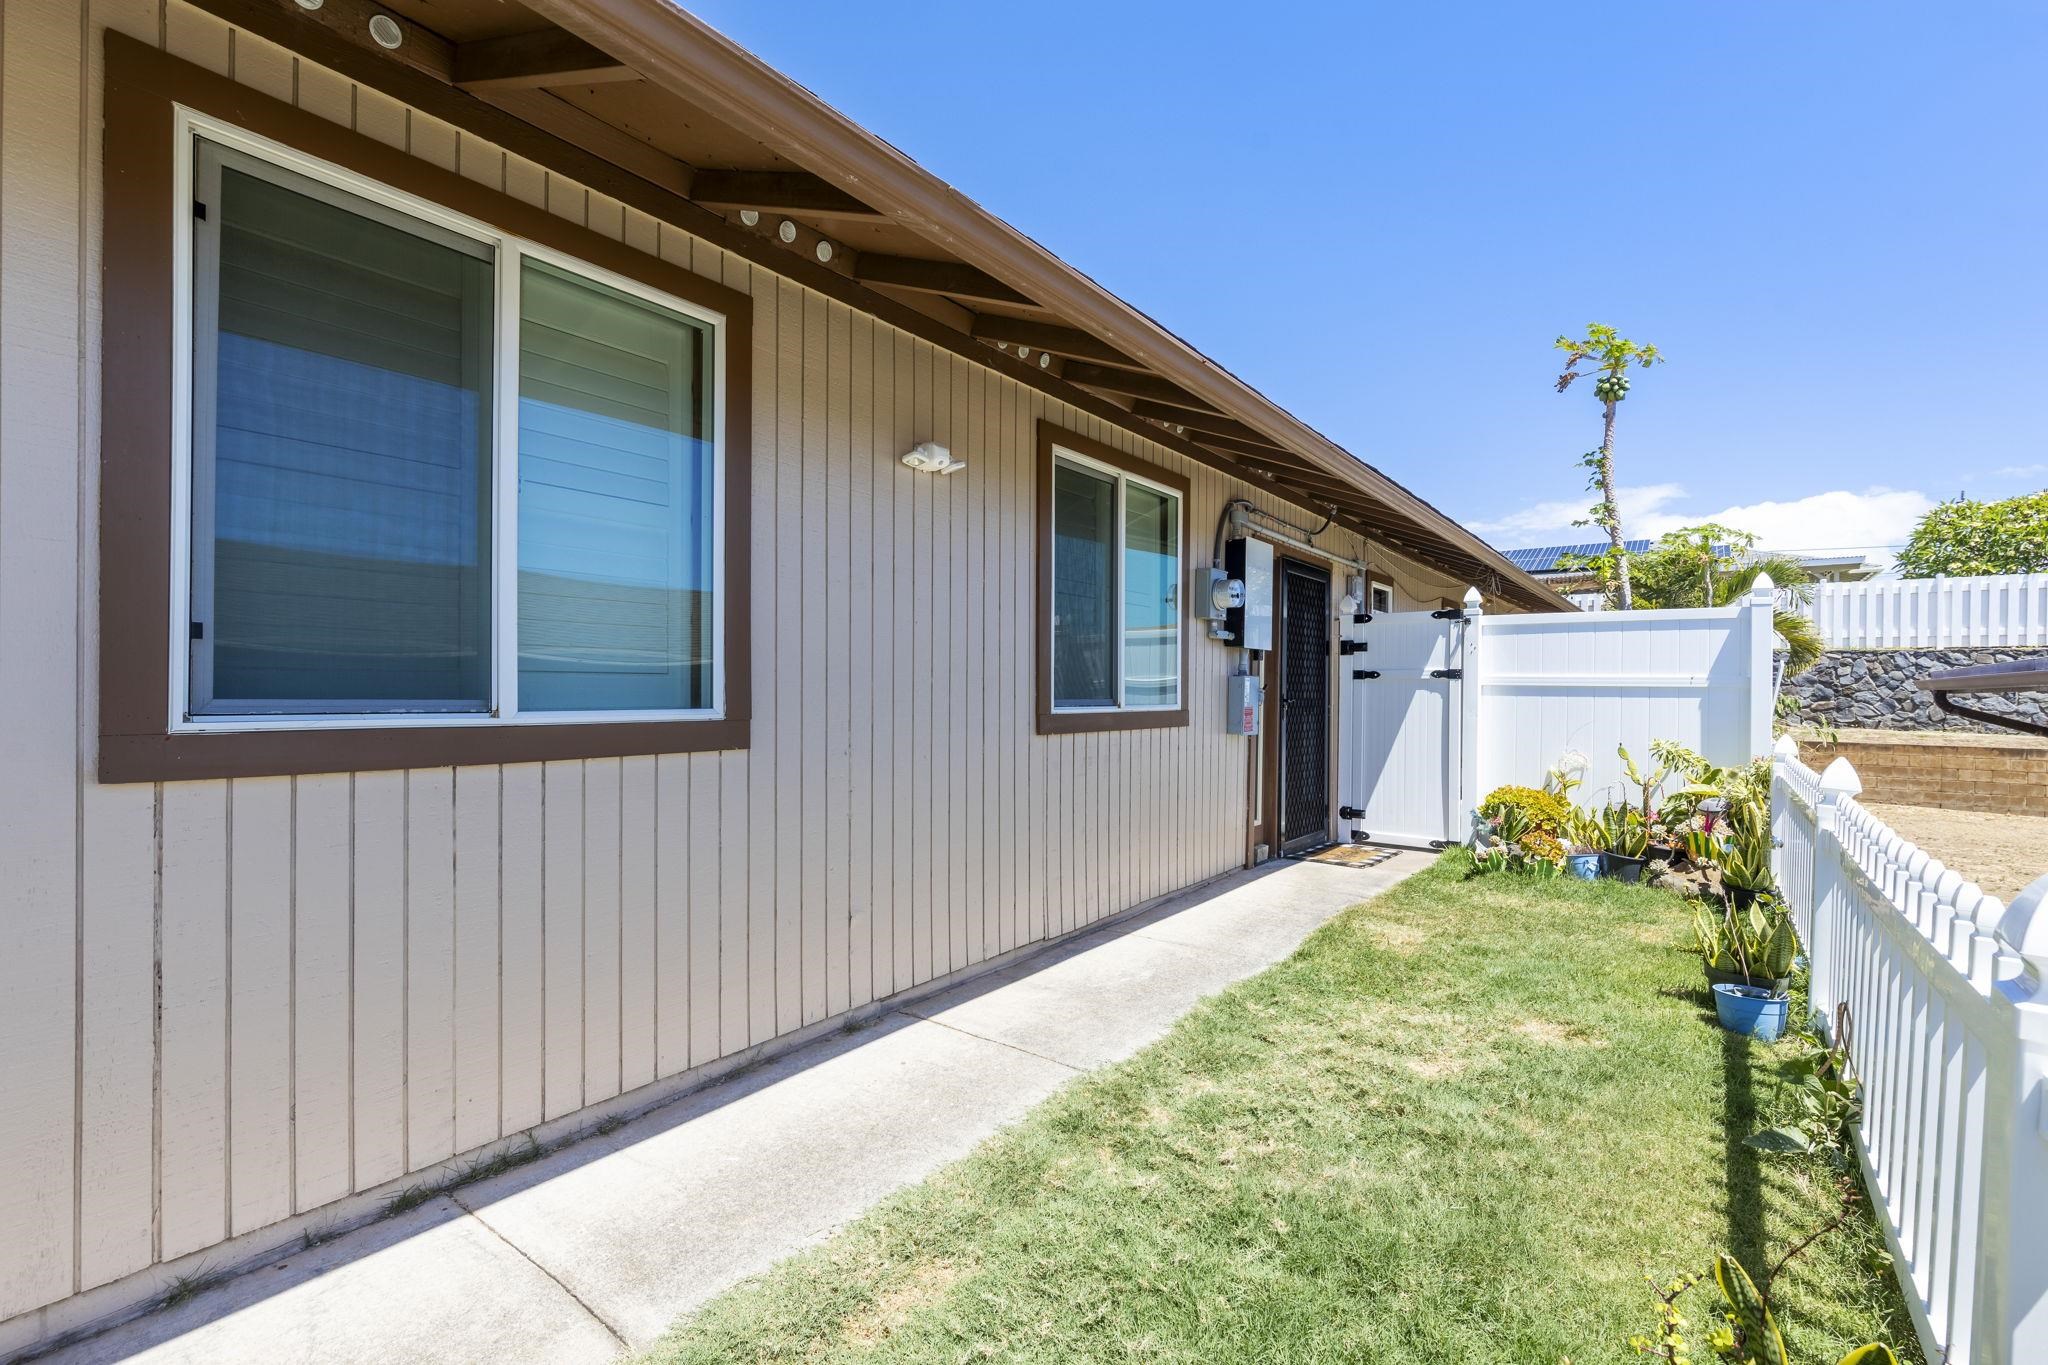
(1084, 587)
(341, 453)
(615, 501)
(1151, 597)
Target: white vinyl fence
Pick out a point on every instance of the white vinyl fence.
(1933, 613)
(1948, 1031)
(1438, 712)
(1589, 682)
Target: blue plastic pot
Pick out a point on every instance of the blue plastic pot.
(1584, 866)
(1751, 1011)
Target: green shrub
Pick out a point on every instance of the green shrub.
(1540, 812)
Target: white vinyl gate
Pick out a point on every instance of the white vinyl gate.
(1402, 729)
(1437, 710)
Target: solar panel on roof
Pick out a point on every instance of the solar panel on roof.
(1543, 559)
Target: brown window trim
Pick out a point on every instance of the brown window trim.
(136, 744)
(1056, 722)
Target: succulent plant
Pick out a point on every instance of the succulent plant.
(1759, 941)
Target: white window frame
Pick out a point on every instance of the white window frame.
(1122, 478)
(1373, 588)
(509, 254)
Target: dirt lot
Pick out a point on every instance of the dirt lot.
(2001, 853)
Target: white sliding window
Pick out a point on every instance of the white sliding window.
(430, 473)
(1116, 572)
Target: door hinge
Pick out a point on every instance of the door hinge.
(1361, 674)
(1439, 844)
(1351, 646)
(199, 210)
(1350, 813)
(1446, 672)
(199, 630)
(1449, 614)
(1361, 618)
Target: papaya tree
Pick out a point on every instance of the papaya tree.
(1607, 356)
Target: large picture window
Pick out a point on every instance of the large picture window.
(1112, 651)
(433, 473)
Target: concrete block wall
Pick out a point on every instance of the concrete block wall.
(1960, 772)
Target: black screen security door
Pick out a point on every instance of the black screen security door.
(1304, 630)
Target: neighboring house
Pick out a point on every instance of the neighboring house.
(476, 658)
(1842, 566)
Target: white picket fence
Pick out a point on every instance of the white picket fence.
(1949, 1035)
(1933, 613)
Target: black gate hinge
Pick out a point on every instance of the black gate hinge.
(1350, 813)
(1449, 614)
(1361, 674)
(1446, 672)
(1351, 646)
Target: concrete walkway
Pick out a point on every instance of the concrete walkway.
(596, 1249)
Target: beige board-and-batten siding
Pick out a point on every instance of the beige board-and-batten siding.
(227, 1005)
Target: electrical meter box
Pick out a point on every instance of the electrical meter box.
(1250, 562)
(1244, 696)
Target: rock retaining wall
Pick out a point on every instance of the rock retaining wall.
(1872, 689)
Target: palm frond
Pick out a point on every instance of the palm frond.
(1732, 580)
(1802, 639)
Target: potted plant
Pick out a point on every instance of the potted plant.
(1745, 863)
(1758, 943)
(1751, 1011)
(1752, 945)
(1584, 837)
(1627, 840)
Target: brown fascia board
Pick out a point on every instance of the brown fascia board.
(674, 49)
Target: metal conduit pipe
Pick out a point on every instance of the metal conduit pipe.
(1240, 511)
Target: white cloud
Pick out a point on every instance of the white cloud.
(1550, 523)
(1836, 520)
(2020, 471)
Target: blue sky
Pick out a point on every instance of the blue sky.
(1832, 218)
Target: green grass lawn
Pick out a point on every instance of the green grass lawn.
(1456, 1126)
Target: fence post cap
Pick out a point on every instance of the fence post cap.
(1474, 604)
(1786, 747)
(1840, 779)
(2023, 927)
(1763, 588)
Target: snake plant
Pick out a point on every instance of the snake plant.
(1751, 1334)
(1623, 831)
(1758, 942)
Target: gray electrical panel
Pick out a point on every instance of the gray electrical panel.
(1245, 697)
(1251, 563)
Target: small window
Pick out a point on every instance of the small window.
(1111, 589)
(436, 472)
(1381, 597)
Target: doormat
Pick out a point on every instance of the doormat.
(1348, 855)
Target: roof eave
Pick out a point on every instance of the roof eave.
(674, 49)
